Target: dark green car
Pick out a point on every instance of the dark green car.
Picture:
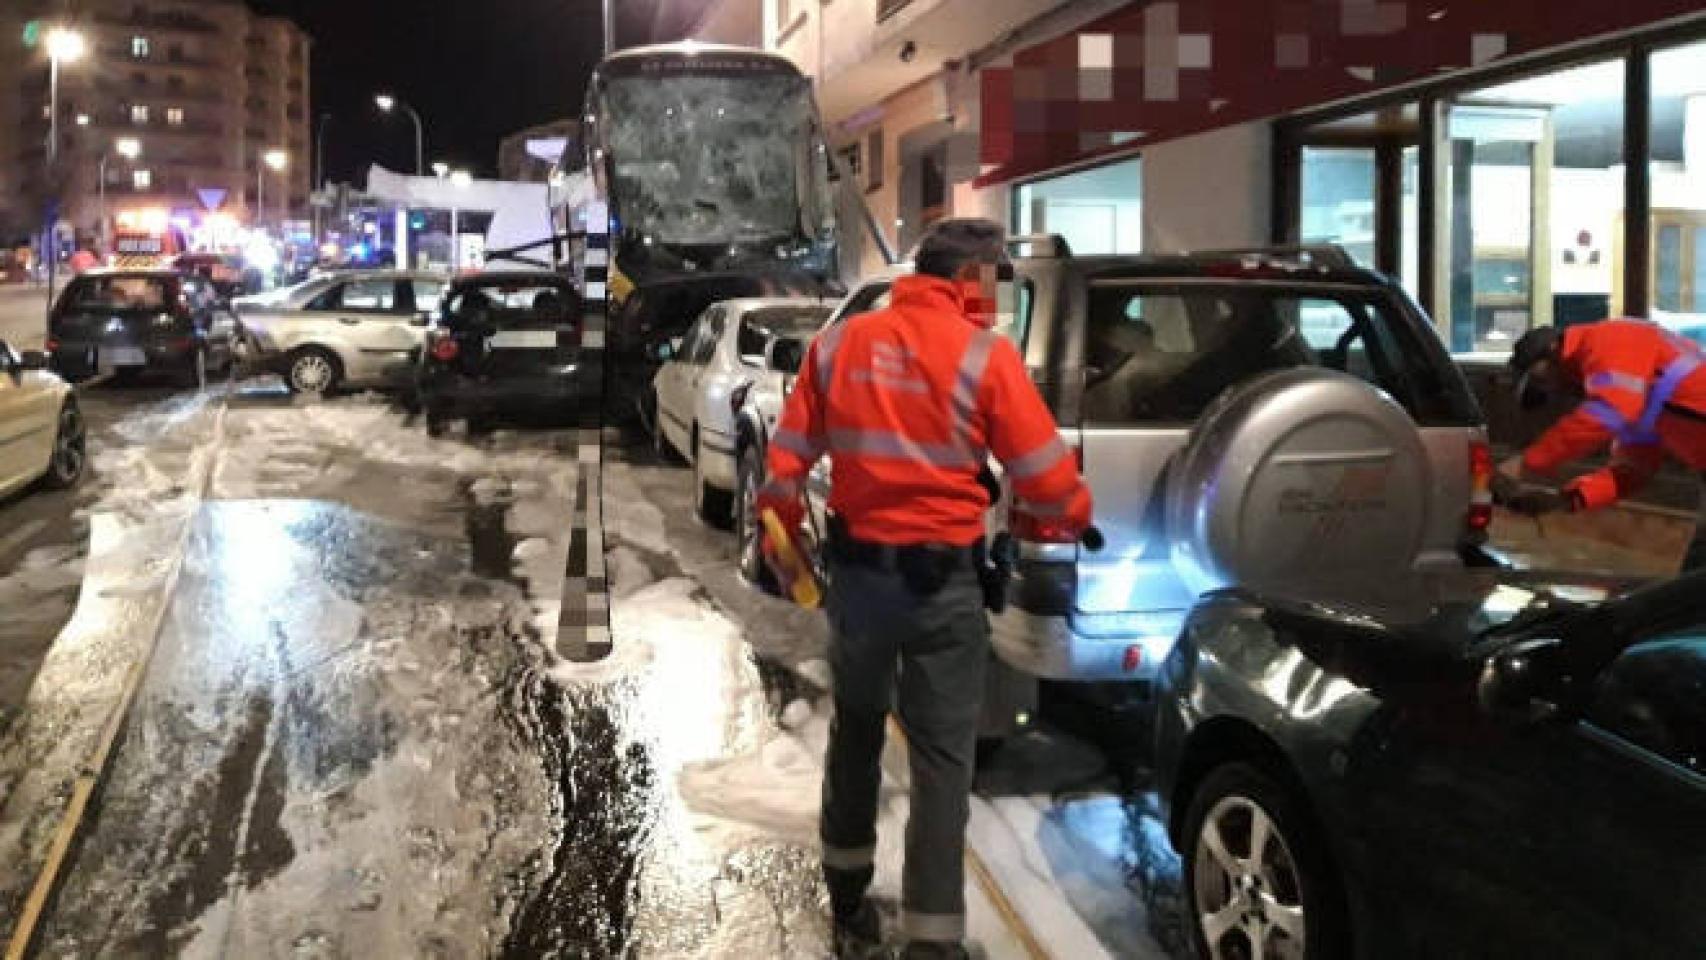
(1486, 765)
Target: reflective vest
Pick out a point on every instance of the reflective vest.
(909, 402)
(1645, 393)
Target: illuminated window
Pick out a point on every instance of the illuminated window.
(139, 113)
(142, 179)
(139, 48)
(175, 116)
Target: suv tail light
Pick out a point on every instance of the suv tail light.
(444, 348)
(1480, 487)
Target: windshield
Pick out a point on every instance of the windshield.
(716, 159)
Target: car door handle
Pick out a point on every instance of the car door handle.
(349, 321)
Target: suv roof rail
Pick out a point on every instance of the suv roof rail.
(1041, 245)
(1309, 255)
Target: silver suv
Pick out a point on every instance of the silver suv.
(1241, 416)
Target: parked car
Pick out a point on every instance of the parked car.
(662, 311)
(506, 342)
(1235, 413)
(726, 351)
(133, 322)
(41, 429)
(347, 329)
(1464, 764)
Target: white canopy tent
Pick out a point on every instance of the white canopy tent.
(521, 212)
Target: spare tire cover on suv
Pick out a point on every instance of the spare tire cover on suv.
(1299, 476)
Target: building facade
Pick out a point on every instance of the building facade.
(206, 90)
(1514, 164)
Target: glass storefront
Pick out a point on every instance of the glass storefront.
(1098, 211)
(1677, 168)
(1533, 205)
(1338, 199)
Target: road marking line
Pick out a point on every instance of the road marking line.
(10, 541)
(94, 769)
(986, 880)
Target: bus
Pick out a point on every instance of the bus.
(710, 159)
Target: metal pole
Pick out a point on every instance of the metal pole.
(261, 195)
(50, 246)
(455, 241)
(420, 141)
(319, 175)
(609, 29)
(106, 236)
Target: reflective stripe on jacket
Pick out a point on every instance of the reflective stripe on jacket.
(909, 401)
(1645, 394)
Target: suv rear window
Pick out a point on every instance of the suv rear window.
(1163, 353)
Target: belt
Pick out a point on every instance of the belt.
(845, 548)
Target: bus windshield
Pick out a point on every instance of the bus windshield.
(716, 158)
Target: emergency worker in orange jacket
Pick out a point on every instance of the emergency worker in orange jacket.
(909, 402)
(1642, 390)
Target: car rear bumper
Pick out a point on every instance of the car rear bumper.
(544, 388)
(83, 358)
(1053, 647)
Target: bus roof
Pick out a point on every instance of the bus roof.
(691, 49)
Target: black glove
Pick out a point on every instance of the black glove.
(1505, 489)
(1539, 501)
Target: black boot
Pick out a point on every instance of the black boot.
(858, 928)
(859, 935)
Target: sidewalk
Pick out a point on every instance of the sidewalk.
(23, 315)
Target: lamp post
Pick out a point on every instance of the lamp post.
(386, 104)
(129, 148)
(277, 160)
(319, 171)
(63, 46)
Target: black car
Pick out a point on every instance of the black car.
(1471, 765)
(132, 322)
(226, 273)
(506, 342)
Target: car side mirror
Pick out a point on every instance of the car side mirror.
(1525, 682)
(32, 360)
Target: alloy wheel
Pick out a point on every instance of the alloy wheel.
(311, 373)
(1248, 896)
(70, 448)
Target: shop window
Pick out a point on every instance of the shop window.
(1098, 211)
(1532, 205)
(1338, 199)
(1677, 165)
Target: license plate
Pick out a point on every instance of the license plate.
(122, 357)
(523, 339)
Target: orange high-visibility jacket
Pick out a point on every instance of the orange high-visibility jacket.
(1646, 395)
(908, 402)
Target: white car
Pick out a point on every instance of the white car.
(706, 374)
(41, 429)
(346, 329)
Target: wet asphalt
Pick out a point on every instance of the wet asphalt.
(353, 738)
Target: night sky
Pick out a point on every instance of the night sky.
(477, 70)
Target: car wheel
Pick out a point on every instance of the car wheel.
(70, 450)
(312, 370)
(1258, 881)
(749, 476)
(712, 505)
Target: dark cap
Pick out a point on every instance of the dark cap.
(1536, 345)
(951, 244)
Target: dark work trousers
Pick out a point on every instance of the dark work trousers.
(929, 652)
(1695, 558)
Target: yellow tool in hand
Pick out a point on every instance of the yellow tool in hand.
(788, 559)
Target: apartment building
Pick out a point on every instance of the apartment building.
(205, 89)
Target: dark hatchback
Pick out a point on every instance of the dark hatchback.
(133, 322)
(506, 343)
(1481, 765)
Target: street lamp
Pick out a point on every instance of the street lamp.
(63, 46)
(277, 160)
(441, 169)
(129, 148)
(386, 104)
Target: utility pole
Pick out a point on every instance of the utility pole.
(609, 29)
